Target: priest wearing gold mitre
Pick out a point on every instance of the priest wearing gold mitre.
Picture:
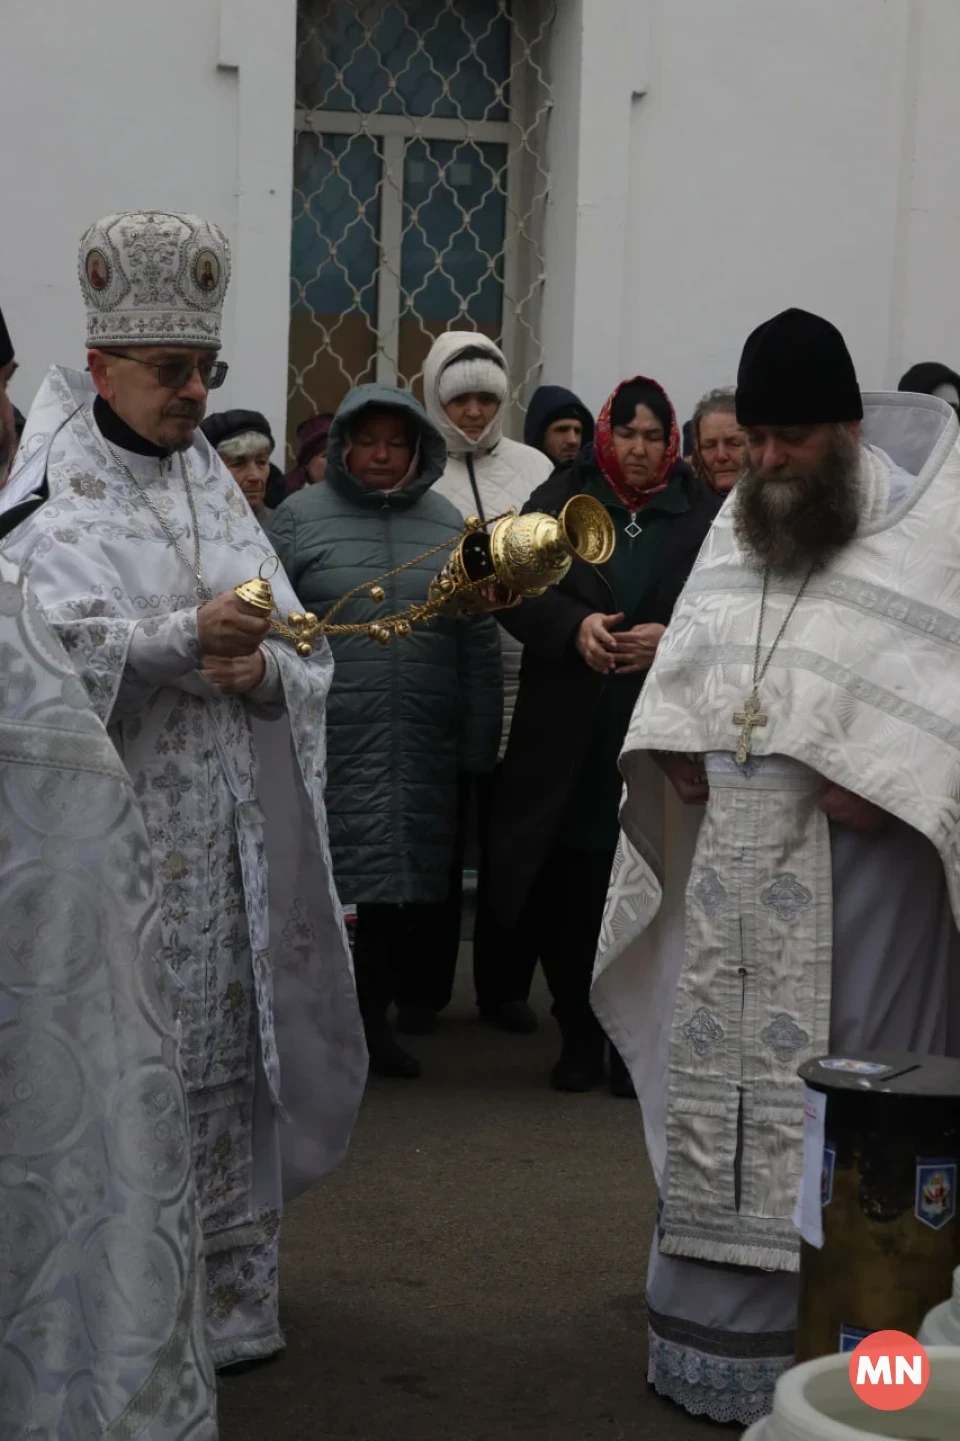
(133, 535)
(804, 707)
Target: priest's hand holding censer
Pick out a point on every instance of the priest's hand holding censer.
(230, 631)
(230, 626)
(522, 556)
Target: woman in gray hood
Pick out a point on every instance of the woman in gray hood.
(402, 719)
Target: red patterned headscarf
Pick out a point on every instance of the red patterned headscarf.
(632, 496)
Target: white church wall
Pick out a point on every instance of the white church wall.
(114, 106)
(598, 61)
(711, 161)
(927, 315)
(777, 154)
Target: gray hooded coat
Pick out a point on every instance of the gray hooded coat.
(403, 718)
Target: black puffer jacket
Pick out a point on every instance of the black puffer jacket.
(401, 719)
(559, 702)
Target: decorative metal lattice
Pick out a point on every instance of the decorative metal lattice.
(419, 188)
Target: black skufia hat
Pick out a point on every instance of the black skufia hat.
(6, 344)
(796, 370)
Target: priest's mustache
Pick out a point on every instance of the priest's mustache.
(186, 410)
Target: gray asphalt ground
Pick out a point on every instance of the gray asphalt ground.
(474, 1270)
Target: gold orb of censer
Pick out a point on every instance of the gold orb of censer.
(520, 557)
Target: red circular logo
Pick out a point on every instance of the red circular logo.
(889, 1370)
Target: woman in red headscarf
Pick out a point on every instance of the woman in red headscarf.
(588, 644)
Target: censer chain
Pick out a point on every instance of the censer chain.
(423, 612)
(416, 613)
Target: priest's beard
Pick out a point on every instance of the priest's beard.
(8, 439)
(179, 425)
(791, 524)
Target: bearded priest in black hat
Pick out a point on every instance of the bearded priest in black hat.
(796, 893)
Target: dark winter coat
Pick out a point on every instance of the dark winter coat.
(546, 403)
(276, 489)
(563, 708)
(402, 719)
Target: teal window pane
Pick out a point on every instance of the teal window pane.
(410, 57)
(336, 223)
(454, 215)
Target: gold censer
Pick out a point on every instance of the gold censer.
(522, 556)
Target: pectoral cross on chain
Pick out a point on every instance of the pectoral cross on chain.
(748, 719)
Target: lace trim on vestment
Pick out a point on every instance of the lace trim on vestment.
(722, 1388)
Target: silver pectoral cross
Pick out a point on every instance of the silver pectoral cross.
(748, 719)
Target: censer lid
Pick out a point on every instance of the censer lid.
(257, 593)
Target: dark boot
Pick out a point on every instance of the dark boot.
(387, 1056)
(515, 1016)
(621, 1081)
(580, 1067)
(416, 1018)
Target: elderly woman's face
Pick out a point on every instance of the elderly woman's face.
(251, 472)
(640, 446)
(721, 443)
(380, 451)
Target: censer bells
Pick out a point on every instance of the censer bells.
(522, 556)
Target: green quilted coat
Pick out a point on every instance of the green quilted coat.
(402, 719)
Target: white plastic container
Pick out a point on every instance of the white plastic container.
(815, 1402)
(941, 1326)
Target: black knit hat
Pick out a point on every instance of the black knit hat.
(6, 344)
(796, 370)
(921, 379)
(226, 424)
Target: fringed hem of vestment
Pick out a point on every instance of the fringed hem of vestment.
(721, 1388)
(682, 1242)
(246, 1348)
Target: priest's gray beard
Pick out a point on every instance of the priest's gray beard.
(789, 523)
(8, 446)
(8, 438)
(182, 410)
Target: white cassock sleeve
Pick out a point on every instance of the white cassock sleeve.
(164, 648)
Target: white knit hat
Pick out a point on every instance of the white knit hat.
(154, 277)
(473, 372)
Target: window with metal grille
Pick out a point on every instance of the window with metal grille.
(419, 188)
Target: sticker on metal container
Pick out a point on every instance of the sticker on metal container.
(936, 1195)
(850, 1338)
(808, 1213)
(855, 1068)
(826, 1175)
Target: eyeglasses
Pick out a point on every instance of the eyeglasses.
(175, 374)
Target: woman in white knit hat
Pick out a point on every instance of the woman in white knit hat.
(466, 387)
